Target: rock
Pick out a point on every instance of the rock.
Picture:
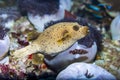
(81, 71)
(115, 27)
(42, 12)
(66, 58)
(4, 43)
(8, 16)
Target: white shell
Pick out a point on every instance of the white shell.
(77, 71)
(115, 28)
(40, 21)
(64, 59)
(7, 23)
(5, 60)
(4, 46)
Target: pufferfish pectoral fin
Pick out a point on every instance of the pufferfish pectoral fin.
(21, 53)
(51, 56)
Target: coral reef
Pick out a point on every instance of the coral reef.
(90, 13)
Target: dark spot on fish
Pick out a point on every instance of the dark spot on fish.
(65, 32)
(76, 28)
(65, 36)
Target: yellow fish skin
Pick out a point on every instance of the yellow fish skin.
(56, 38)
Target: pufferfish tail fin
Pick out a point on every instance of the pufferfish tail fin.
(24, 52)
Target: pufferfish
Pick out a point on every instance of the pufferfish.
(55, 39)
(41, 12)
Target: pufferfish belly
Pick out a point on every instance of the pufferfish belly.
(66, 58)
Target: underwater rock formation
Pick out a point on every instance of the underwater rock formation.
(40, 12)
(81, 71)
(115, 28)
(76, 53)
(8, 16)
(4, 44)
(109, 57)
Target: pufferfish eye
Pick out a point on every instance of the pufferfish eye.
(76, 28)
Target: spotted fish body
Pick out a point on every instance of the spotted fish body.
(55, 39)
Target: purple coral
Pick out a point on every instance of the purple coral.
(9, 73)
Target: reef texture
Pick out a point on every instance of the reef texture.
(23, 34)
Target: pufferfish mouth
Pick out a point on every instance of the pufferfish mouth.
(84, 30)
